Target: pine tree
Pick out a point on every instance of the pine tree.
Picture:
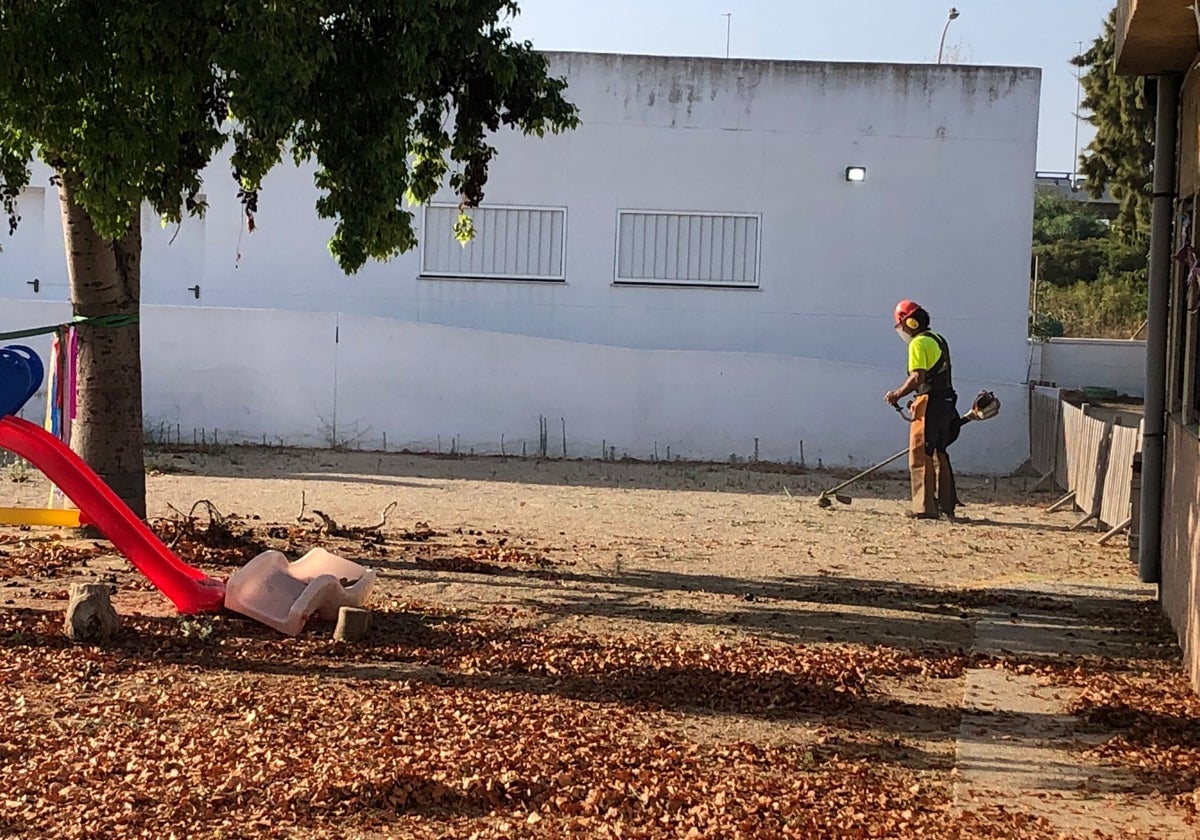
(1120, 156)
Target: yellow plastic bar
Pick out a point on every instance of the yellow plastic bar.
(39, 518)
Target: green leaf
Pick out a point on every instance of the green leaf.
(464, 229)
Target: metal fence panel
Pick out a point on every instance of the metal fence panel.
(1045, 430)
(1067, 470)
(1092, 463)
(1117, 503)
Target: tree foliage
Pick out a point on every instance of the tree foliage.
(1091, 282)
(1120, 156)
(1093, 276)
(135, 97)
(129, 101)
(1074, 245)
(1056, 219)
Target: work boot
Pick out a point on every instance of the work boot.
(951, 512)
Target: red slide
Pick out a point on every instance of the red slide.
(189, 589)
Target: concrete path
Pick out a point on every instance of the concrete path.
(1019, 746)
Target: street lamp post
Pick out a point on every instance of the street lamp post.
(953, 16)
(728, 30)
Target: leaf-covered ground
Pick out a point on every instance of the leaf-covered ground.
(613, 663)
(445, 731)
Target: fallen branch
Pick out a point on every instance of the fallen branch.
(186, 522)
(330, 527)
(215, 516)
(383, 517)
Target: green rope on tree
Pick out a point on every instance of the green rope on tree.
(106, 321)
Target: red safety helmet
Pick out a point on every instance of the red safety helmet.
(905, 310)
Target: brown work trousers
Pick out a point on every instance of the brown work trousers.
(931, 473)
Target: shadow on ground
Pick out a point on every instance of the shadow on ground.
(423, 471)
(822, 608)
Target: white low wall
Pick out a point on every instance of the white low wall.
(1097, 362)
(310, 378)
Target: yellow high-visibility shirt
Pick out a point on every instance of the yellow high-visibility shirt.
(923, 353)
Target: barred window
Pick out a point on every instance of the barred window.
(511, 243)
(688, 248)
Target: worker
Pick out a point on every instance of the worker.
(934, 410)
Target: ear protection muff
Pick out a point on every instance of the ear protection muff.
(905, 315)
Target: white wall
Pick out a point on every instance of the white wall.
(1098, 362)
(292, 377)
(944, 217)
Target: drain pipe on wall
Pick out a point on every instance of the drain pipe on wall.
(1162, 220)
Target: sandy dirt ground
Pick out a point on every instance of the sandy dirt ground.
(684, 600)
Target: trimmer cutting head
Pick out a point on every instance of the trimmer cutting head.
(825, 500)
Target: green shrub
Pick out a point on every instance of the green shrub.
(1114, 307)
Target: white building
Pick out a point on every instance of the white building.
(692, 267)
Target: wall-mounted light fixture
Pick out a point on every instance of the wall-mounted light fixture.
(856, 174)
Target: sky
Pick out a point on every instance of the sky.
(1022, 33)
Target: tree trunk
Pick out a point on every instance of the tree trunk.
(105, 277)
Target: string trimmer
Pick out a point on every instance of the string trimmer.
(985, 407)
